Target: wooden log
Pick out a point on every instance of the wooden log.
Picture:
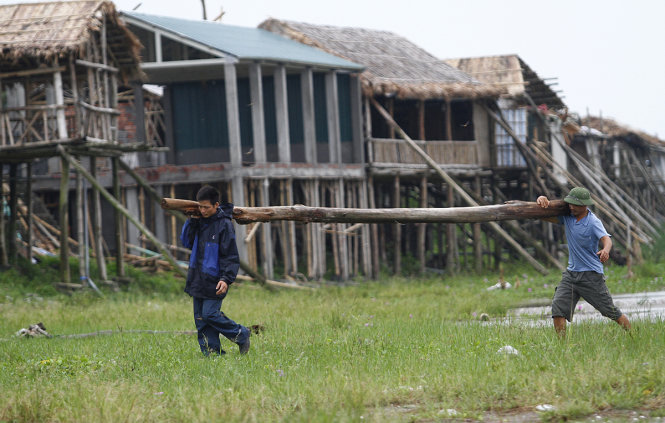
(512, 210)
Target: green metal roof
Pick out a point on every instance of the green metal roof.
(245, 43)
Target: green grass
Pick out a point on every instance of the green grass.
(401, 349)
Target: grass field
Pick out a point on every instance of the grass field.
(399, 349)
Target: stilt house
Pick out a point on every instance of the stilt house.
(268, 121)
(62, 64)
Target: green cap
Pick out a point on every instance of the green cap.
(579, 196)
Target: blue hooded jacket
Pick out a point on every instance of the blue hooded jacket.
(214, 253)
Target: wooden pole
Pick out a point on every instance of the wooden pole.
(375, 230)
(75, 96)
(451, 238)
(465, 196)
(477, 235)
(79, 216)
(13, 203)
(4, 261)
(449, 120)
(422, 227)
(119, 207)
(119, 232)
(397, 227)
(97, 224)
(64, 221)
(28, 203)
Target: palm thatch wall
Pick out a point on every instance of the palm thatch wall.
(510, 74)
(394, 65)
(34, 33)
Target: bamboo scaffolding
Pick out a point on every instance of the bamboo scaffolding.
(69, 160)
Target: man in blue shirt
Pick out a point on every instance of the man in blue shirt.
(584, 276)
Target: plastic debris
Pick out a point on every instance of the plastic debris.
(449, 412)
(499, 285)
(544, 407)
(508, 350)
(33, 331)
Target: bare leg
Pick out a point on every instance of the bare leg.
(560, 325)
(623, 322)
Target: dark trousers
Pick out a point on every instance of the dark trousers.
(211, 322)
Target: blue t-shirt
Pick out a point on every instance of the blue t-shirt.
(583, 237)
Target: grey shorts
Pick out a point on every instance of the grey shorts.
(588, 285)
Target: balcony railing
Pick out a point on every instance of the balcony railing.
(397, 151)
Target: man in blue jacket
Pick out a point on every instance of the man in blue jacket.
(213, 266)
(584, 276)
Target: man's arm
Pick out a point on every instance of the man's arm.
(229, 261)
(604, 253)
(543, 202)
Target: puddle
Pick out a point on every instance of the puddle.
(640, 306)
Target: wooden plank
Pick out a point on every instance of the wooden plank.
(32, 72)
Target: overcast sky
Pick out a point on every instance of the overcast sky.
(608, 55)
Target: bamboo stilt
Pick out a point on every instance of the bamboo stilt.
(28, 201)
(397, 203)
(64, 221)
(79, 216)
(97, 238)
(4, 261)
(422, 227)
(13, 203)
(119, 231)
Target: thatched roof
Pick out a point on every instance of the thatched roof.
(394, 65)
(32, 33)
(614, 129)
(510, 74)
